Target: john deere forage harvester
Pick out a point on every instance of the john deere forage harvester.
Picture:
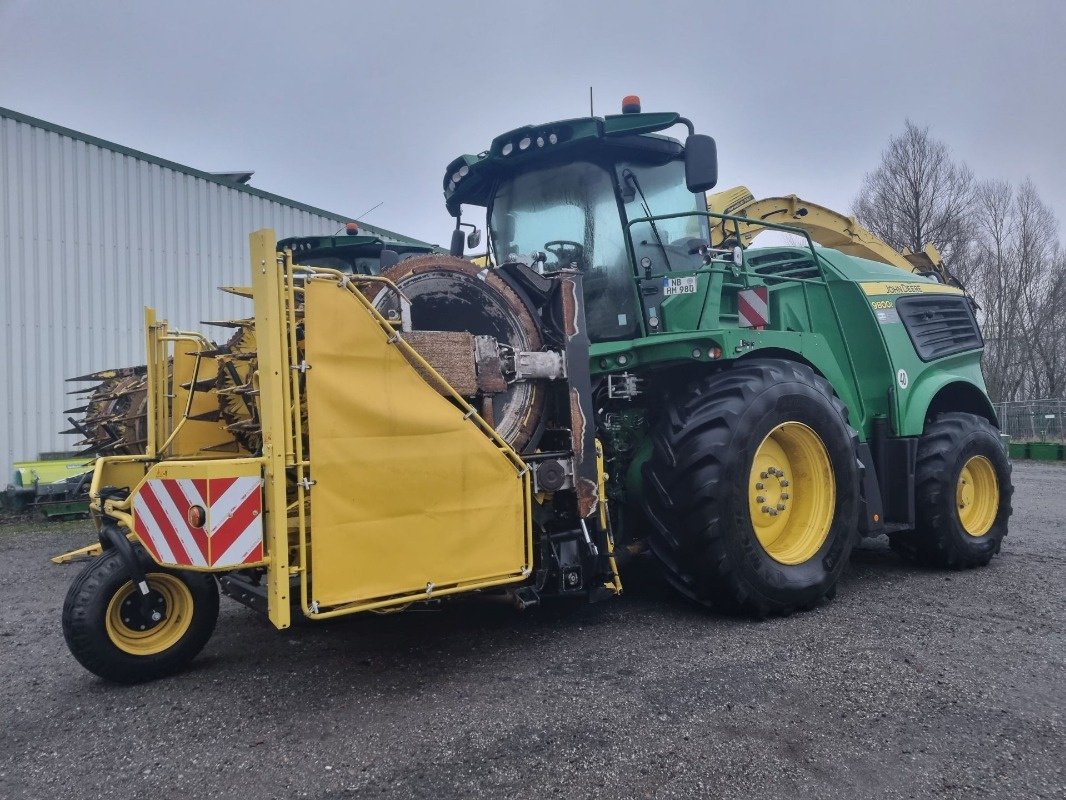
(632, 374)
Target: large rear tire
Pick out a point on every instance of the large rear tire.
(752, 489)
(962, 494)
(111, 635)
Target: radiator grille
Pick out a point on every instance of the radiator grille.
(939, 325)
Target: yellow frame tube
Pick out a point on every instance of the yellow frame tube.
(273, 362)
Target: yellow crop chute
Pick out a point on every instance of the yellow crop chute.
(827, 227)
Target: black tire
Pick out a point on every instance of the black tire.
(88, 606)
(939, 538)
(696, 488)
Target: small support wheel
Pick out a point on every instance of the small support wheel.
(123, 636)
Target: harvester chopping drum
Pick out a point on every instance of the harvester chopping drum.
(372, 439)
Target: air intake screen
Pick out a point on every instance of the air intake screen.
(939, 324)
(782, 266)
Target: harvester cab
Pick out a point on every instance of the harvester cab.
(628, 375)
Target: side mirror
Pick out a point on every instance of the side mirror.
(458, 239)
(473, 239)
(701, 163)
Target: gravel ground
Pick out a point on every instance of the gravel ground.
(912, 683)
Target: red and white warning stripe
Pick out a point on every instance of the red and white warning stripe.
(231, 533)
(753, 307)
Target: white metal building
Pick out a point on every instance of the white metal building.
(90, 233)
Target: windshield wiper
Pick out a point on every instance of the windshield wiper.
(627, 175)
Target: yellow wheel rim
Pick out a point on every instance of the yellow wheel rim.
(977, 496)
(134, 633)
(791, 493)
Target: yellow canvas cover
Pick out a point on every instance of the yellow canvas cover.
(409, 497)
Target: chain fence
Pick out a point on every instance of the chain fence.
(1033, 420)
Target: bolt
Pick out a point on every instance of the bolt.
(780, 506)
(156, 616)
(785, 495)
(764, 475)
(766, 509)
(760, 499)
(760, 485)
(784, 483)
(773, 512)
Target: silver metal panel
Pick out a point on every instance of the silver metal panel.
(88, 236)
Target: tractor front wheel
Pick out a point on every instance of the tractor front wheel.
(117, 635)
(752, 489)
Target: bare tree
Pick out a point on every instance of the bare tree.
(994, 280)
(919, 194)
(1000, 240)
(1037, 247)
(1019, 282)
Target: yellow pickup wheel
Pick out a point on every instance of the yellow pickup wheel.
(752, 489)
(962, 494)
(117, 634)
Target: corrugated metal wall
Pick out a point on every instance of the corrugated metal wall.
(88, 236)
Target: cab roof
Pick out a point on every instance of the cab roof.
(470, 178)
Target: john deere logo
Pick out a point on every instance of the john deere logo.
(902, 379)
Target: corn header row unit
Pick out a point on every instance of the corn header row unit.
(626, 375)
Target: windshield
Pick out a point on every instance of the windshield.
(570, 213)
(664, 189)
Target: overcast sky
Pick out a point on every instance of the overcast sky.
(344, 105)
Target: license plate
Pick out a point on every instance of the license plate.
(672, 286)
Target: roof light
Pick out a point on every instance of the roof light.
(525, 143)
(552, 138)
(351, 228)
(630, 104)
(506, 149)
